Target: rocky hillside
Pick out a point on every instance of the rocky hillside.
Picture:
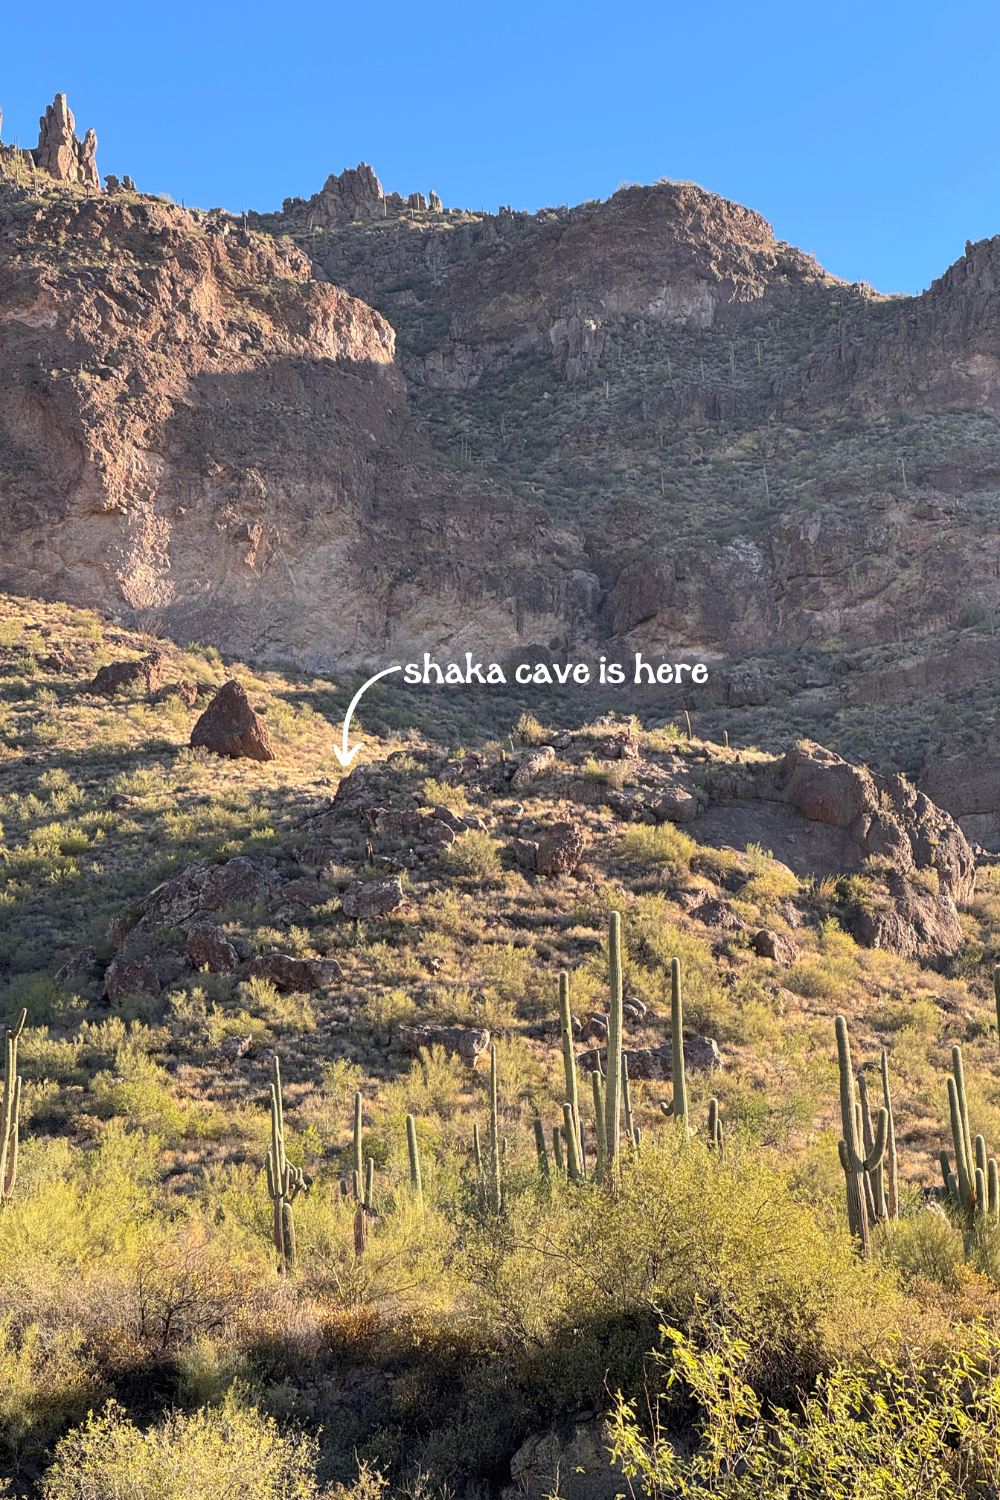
(369, 425)
(192, 890)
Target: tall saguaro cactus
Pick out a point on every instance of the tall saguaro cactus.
(284, 1182)
(497, 1190)
(855, 1164)
(680, 1107)
(11, 1111)
(613, 1086)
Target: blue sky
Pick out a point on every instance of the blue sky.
(867, 134)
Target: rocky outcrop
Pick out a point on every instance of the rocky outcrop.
(60, 152)
(199, 890)
(884, 816)
(821, 815)
(466, 1042)
(229, 726)
(701, 1055)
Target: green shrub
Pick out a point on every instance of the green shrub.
(229, 1452)
(663, 844)
(475, 853)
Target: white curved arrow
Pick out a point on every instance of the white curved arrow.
(345, 756)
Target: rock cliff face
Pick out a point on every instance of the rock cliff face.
(369, 425)
(194, 426)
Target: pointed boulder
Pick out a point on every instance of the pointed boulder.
(230, 727)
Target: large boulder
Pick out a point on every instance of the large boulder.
(129, 976)
(425, 827)
(209, 948)
(230, 727)
(560, 849)
(373, 898)
(145, 676)
(532, 765)
(466, 1042)
(288, 973)
(774, 945)
(825, 788)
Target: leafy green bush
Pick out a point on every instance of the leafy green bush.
(910, 1431)
(228, 1452)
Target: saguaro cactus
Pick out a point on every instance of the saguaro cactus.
(414, 1153)
(874, 1181)
(284, 1182)
(715, 1133)
(677, 1043)
(600, 1125)
(855, 1164)
(557, 1150)
(497, 1190)
(572, 1145)
(541, 1147)
(974, 1186)
(11, 1111)
(613, 1087)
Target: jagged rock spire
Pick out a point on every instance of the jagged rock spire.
(60, 152)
